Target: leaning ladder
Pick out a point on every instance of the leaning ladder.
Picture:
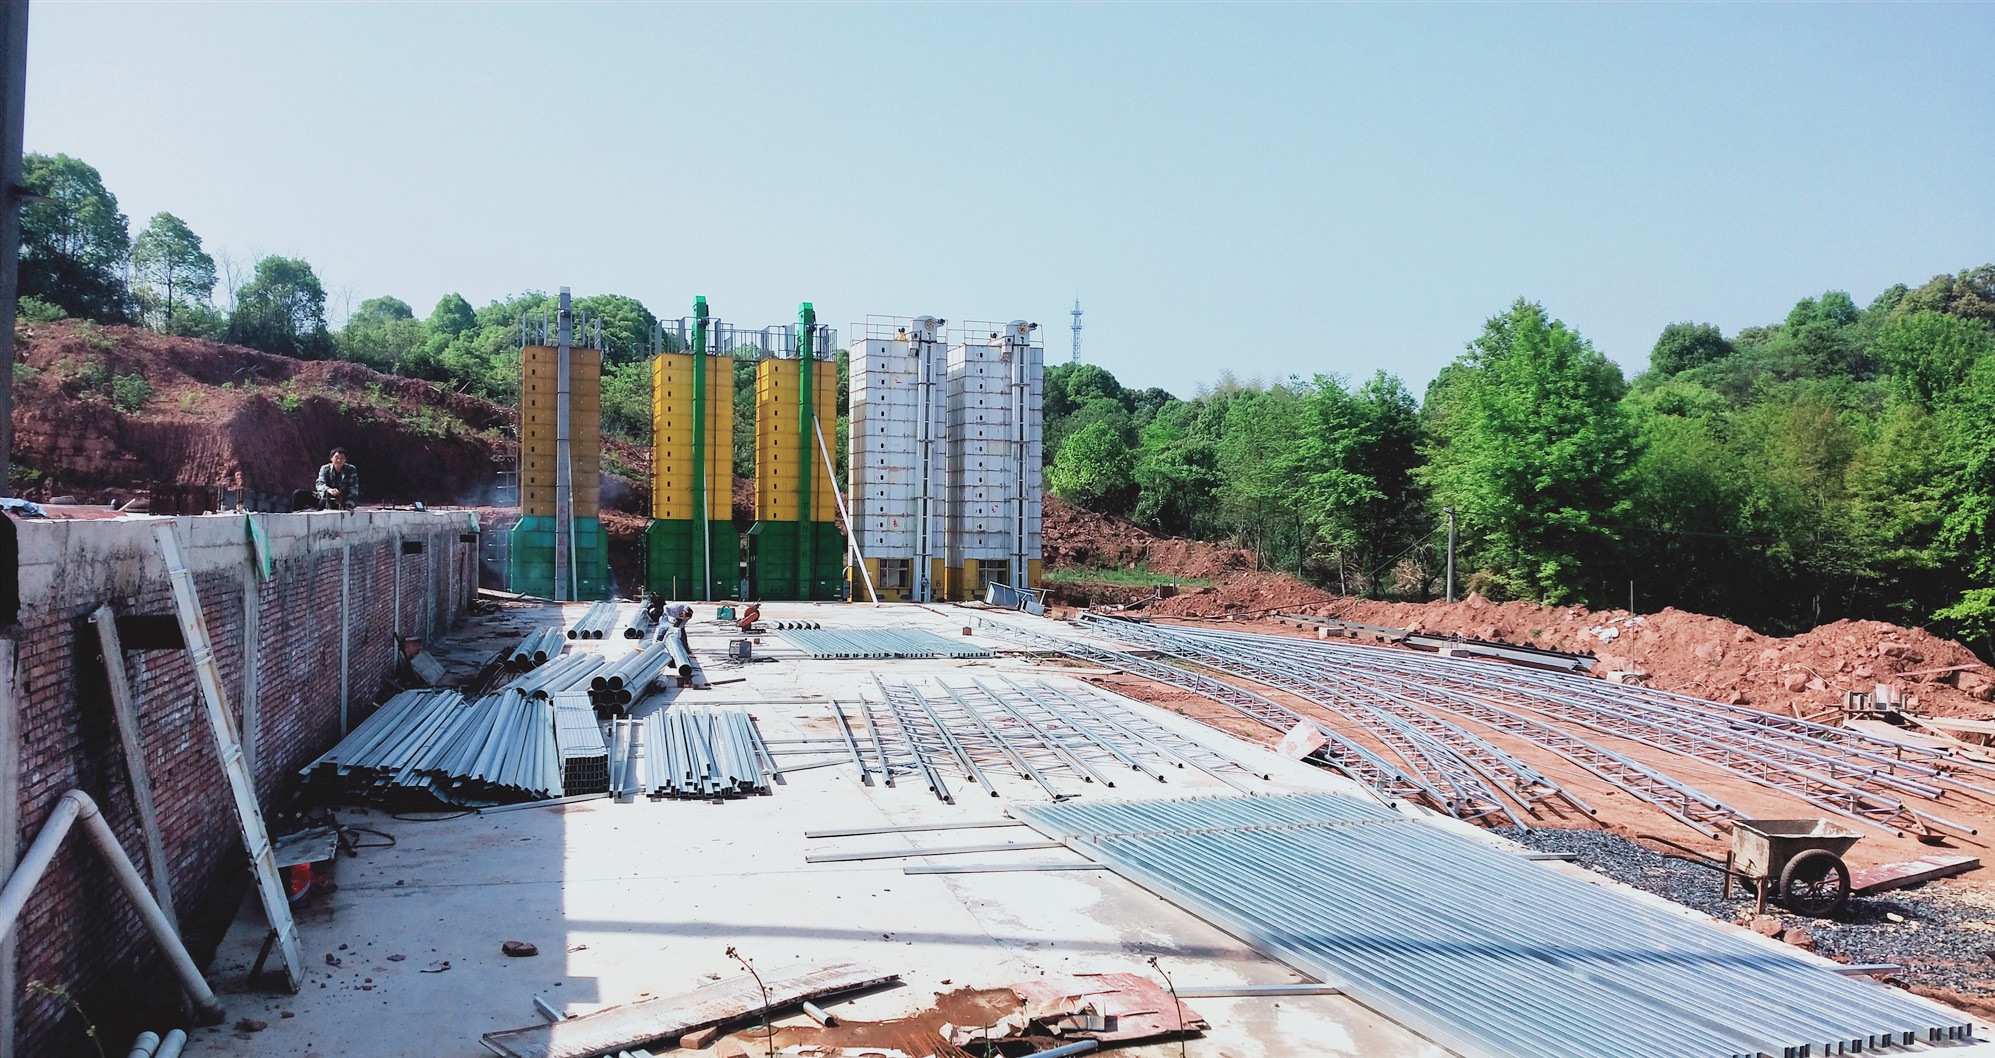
(228, 745)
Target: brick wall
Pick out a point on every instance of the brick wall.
(78, 934)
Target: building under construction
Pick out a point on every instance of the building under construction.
(559, 549)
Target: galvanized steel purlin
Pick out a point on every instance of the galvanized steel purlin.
(1046, 734)
(692, 751)
(864, 643)
(1841, 778)
(1382, 777)
(498, 750)
(1255, 661)
(1523, 962)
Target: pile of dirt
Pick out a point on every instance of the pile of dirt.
(1709, 657)
(104, 413)
(1076, 539)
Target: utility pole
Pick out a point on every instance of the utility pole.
(13, 90)
(1450, 512)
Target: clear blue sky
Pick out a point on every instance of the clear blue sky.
(1267, 189)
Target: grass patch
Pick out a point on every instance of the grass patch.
(1137, 577)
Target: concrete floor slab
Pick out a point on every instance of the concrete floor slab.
(629, 901)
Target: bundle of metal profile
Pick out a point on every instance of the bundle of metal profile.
(1844, 776)
(578, 736)
(1478, 949)
(848, 643)
(596, 623)
(496, 750)
(562, 674)
(1385, 779)
(630, 677)
(364, 763)
(533, 651)
(1042, 732)
(691, 751)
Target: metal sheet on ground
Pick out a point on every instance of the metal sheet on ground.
(1481, 951)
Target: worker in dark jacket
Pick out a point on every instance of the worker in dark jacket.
(339, 483)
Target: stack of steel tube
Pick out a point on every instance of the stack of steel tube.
(691, 751)
(565, 673)
(648, 613)
(596, 623)
(533, 651)
(631, 677)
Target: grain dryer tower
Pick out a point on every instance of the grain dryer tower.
(691, 548)
(899, 465)
(796, 550)
(995, 392)
(559, 549)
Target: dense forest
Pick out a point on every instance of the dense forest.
(1836, 463)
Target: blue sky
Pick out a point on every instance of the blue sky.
(1265, 189)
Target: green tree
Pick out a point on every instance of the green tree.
(282, 310)
(1392, 516)
(626, 401)
(626, 325)
(1929, 353)
(1261, 482)
(171, 271)
(452, 316)
(1969, 295)
(383, 333)
(1095, 470)
(1533, 451)
(74, 242)
(1969, 524)
(1683, 346)
(1177, 468)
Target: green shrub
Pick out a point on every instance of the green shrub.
(93, 376)
(35, 310)
(95, 338)
(130, 392)
(24, 373)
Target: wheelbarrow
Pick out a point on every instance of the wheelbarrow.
(1798, 863)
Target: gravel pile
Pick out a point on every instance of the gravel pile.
(1944, 937)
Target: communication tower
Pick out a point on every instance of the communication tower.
(1076, 314)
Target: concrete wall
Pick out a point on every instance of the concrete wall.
(303, 655)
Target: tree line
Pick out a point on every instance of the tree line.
(1836, 463)
(79, 260)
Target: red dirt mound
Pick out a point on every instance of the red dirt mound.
(1709, 657)
(206, 413)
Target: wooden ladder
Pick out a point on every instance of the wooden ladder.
(228, 745)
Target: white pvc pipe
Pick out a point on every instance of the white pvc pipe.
(145, 1045)
(76, 805)
(172, 1045)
